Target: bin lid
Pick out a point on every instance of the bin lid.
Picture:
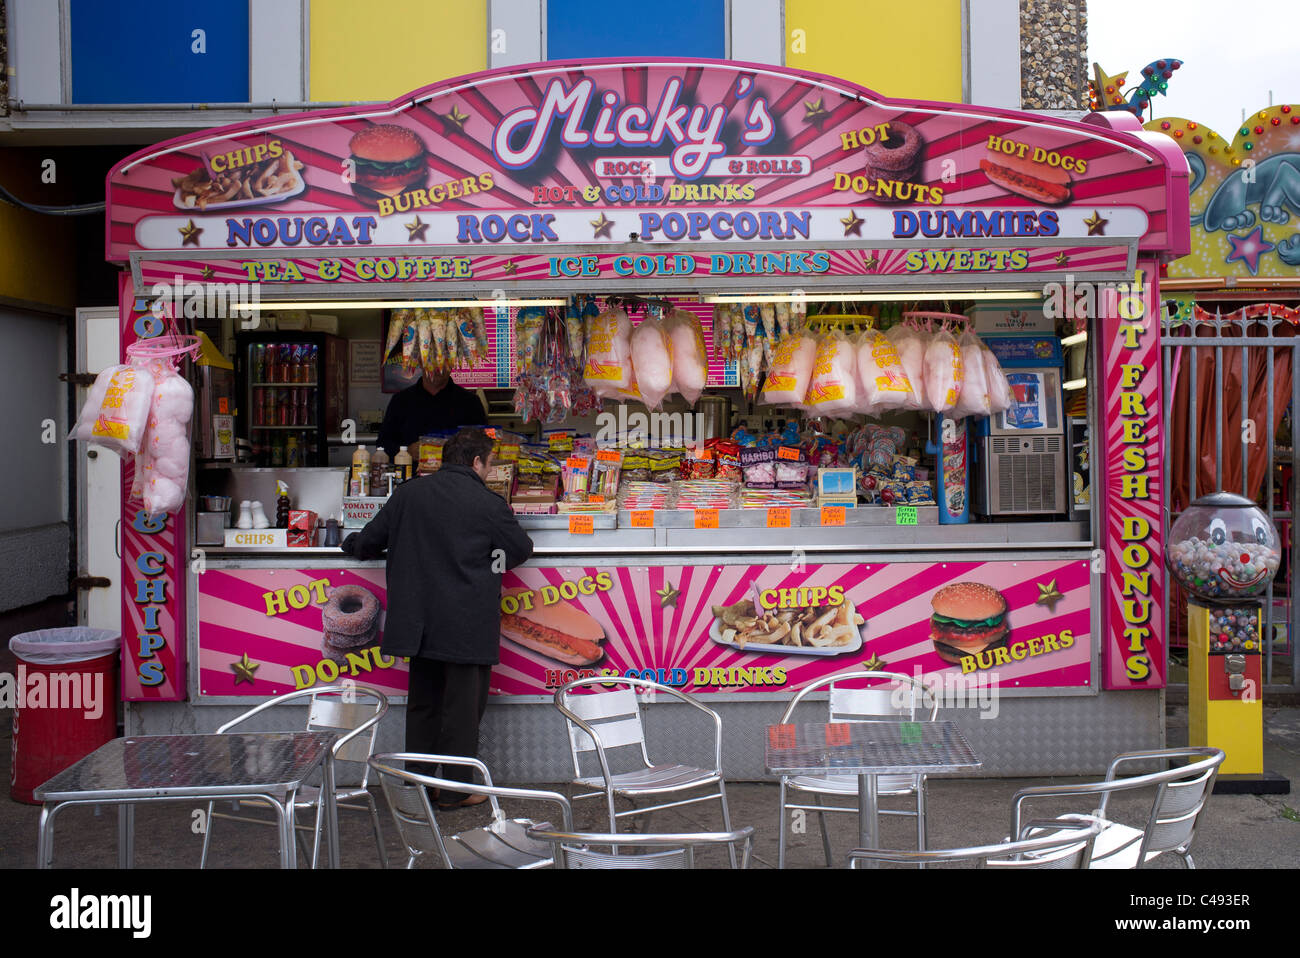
(59, 646)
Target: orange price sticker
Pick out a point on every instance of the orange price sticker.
(787, 452)
(778, 517)
(608, 455)
(597, 499)
(223, 405)
(580, 525)
(643, 518)
(833, 515)
(706, 518)
(577, 462)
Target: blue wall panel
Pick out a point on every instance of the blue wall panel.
(679, 28)
(141, 51)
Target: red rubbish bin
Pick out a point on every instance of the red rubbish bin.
(67, 691)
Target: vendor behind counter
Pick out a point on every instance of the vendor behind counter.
(434, 404)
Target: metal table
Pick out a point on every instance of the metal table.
(271, 766)
(867, 749)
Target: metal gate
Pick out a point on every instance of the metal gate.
(1259, 342)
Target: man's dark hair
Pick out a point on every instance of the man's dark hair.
(466, 446)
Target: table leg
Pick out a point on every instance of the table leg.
(868, 824)
(45, 838)
(126, 835)
(329, 805)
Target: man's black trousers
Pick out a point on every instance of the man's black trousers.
(444, 706)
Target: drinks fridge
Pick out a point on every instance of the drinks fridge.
(293, 392)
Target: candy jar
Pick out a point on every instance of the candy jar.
(1223, 547)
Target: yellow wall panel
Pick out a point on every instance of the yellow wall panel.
(908, 50)
(380, 51)
(38, 250)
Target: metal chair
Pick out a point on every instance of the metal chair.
(355, 710)
(1069, 846)
(574, 849)
(859, 705)
(612, 720)
(1180, 796)
(505, 843)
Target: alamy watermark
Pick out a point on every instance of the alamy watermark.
(951, 691)
(53, 690)
(184, 299)
(1086, 299)
(653, 429)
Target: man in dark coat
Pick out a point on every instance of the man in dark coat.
(448, 539)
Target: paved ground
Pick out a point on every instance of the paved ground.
(1238, 831)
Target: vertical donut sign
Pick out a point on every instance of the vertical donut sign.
(1133, 534)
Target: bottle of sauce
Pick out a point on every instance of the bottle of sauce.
(282, 504)
(359, 484)
(292, 452)
(403, 462)
(378, 466)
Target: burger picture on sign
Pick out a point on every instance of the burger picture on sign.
(386, 159)
(969, 618)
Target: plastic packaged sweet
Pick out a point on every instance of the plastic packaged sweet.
(1223, 547)
(833, 390)
(943, 372)
(791, 372)
(690, 360)
(652, 361)
(609, 353)
(974, 398)
(885, 384)
(1001, 397)
(910, 347)
(116, 412)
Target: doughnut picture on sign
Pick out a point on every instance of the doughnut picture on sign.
(350, 617)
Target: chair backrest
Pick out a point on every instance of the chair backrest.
(1179, 797)
(355, 710)
(579, 850)
(612, 719)
(417, 824)
(1068, 846)
(902, 696)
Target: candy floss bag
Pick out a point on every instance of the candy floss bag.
(910, 347)
(791, 373)
(690, 361)
(652, 360)
(162, 467)
(609, 352)
(974, 399)
(116, 411)
(885, 384)
(943, 372)
(834, 388)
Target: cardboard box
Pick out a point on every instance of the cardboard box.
(300, 540)
(325, 324)
(302, 527)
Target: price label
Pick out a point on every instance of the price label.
(905, 516)
(577, 462)
(596, 498)
(833, 515)
(223, 405)
(580, 525)
(706, 518)
(787, 452)
(608, 455)
(778, 517)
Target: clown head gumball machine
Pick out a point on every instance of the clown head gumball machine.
(1224, 551)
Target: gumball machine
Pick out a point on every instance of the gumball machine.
(1224, 551)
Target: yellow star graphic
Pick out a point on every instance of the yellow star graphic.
(509, 267)
(1061, 259)
(206, 272)
(1110, 89)
(874, 664)
(814, 112)
(190, 233)
(456, 118)
(604, 226)
(416, 231)
(244, 669)
(668, 596)
(1048, 595)
(870, 263)
(1096, 224)
(852, 223)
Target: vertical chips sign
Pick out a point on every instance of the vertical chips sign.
(1132, 560)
